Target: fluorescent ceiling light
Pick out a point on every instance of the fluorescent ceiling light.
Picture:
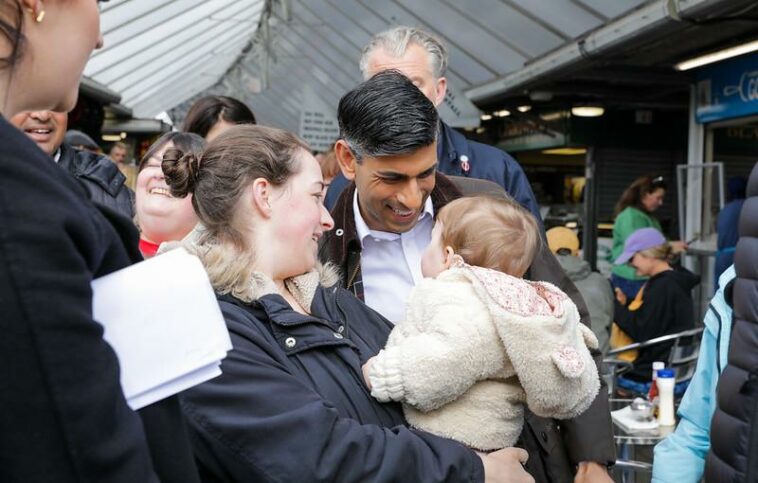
(485, 117)
(565, 151)
(524, 108)
(553, 116)
(587, 111)
(502, 113)
(111, 137)
(717, 56)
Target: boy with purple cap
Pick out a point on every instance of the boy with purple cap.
(664, 303)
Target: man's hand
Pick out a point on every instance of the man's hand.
(506, 466)
(591, 472)
(365, 370)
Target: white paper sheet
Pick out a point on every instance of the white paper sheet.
(163, 321)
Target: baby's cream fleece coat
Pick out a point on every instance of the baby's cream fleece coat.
(476, 346)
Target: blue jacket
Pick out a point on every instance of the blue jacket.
(726, 227)
(455, 153)
(291, 404)
(680, 458)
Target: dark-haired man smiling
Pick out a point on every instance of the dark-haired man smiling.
(383, 222)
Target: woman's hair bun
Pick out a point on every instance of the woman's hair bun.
(181, 171)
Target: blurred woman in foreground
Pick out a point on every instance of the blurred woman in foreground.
(63, 416)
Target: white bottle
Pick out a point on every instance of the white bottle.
(666, 384)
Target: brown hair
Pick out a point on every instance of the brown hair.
(632, 196)
(491, 233)
(11, 24)
(217, 180)
(207, 111)
(183, 141)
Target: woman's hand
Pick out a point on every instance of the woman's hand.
(506, 466)
(620, 296)
(678, 246)
(366, 367)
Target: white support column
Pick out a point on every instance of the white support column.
(694, 185)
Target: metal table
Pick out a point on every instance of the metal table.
(634, 446)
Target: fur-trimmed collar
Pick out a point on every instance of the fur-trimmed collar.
(302, 287)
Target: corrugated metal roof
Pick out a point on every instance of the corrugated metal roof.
(159, 55)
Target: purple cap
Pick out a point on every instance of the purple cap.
(641, 239)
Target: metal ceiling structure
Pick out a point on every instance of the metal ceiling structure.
(158, 54)
(284, 56)
(279, 55)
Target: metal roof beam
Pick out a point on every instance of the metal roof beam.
(634, 25)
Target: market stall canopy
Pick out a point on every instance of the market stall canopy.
(285, 56)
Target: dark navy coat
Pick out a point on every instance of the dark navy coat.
(459, 156)
(291, 404)
(63, 416)
(105, 184)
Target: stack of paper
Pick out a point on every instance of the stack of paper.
(163, 321)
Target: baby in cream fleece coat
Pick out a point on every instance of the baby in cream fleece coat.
(479, 342)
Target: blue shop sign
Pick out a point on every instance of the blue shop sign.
(728, 89)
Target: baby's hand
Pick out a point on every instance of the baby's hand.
(366, 367)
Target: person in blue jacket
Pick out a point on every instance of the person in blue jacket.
(726, 226)
(680, 458)
(423, 58)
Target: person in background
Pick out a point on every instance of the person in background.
(662, 306)
(423, 58)
(595, 289)
(63, 416)
(726, 225)
(162, 217)
(81, 141)
(733, 455)
(680, 458)
(118, 153)
(329, 165)
(105, 184)
(290, 405)
(634, 210)
(211, 115)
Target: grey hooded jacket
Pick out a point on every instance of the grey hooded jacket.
(597, 294)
